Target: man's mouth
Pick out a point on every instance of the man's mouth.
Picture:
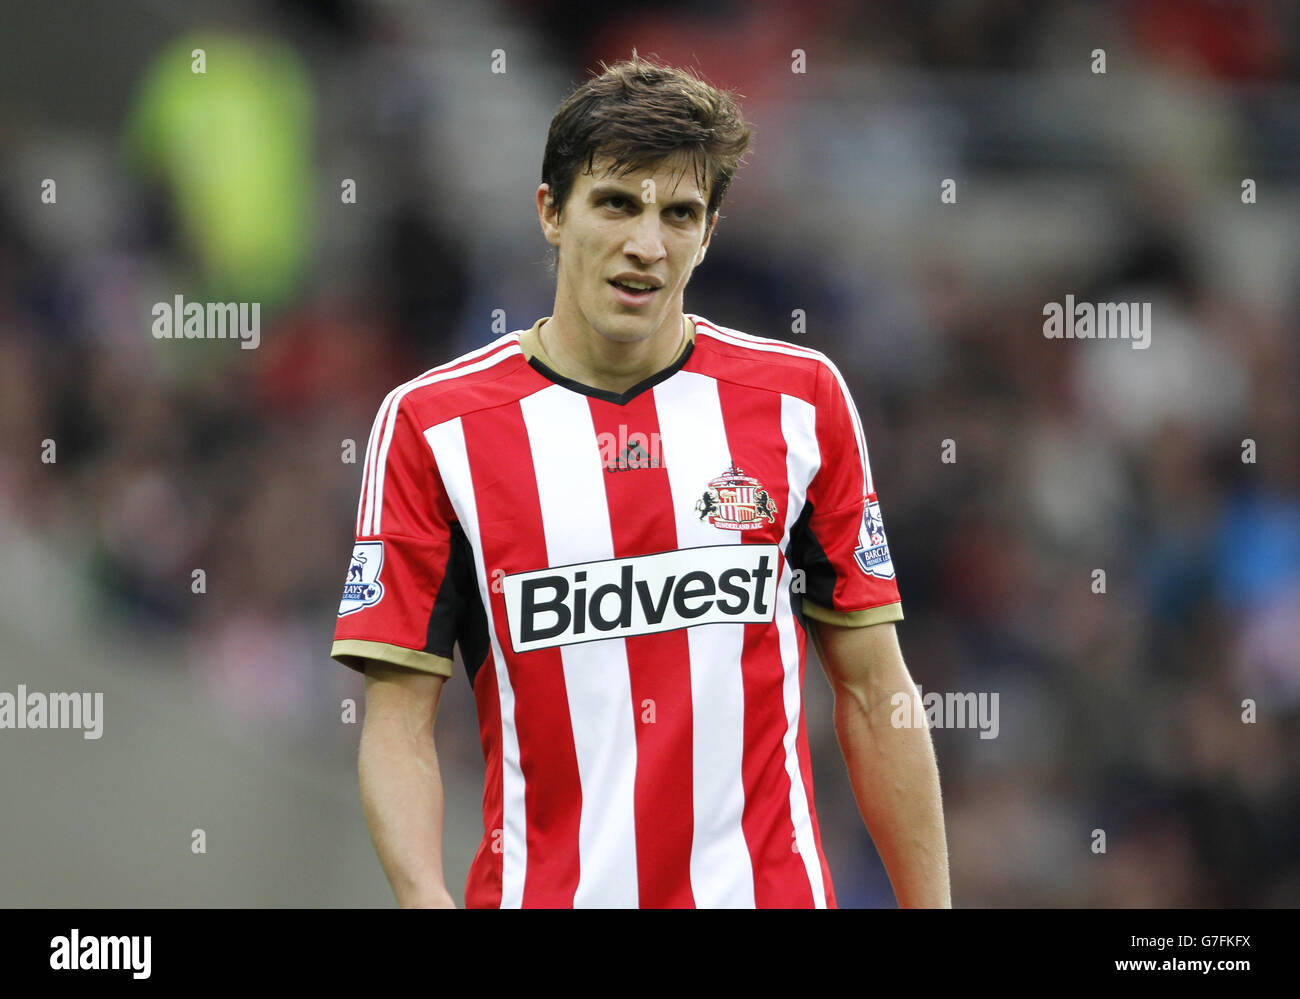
(634, 292)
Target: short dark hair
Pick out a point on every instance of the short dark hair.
(638, 113)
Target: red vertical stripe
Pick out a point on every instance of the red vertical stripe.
(805, 770)
(753, 423)
(513, 540)
(640, 504)
(483, 885)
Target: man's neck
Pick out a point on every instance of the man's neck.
(608, 364)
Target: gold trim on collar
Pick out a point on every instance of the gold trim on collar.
(531, 342)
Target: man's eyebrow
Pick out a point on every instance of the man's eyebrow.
(607, 188)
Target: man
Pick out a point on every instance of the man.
(629, 519)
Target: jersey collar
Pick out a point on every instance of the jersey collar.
(530, 342)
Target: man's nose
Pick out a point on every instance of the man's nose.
(646, 241)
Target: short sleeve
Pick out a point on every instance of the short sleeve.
(410, 592)
(839, 540)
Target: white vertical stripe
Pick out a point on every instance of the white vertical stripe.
(867, 485)
(575, 520)
(727, 335)
(857, 426)
(447, 440)
(372, 456)
(694, 447)
(378, 461)
(802, 459)
(367, 473)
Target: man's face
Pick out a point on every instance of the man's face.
(647, 226)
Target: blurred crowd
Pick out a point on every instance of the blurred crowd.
(1162, 711)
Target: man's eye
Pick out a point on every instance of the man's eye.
(684, 212)
(615, 201)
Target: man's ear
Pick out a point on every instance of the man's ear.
(548, 215)
(708, 235)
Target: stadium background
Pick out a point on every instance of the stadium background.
(1118, 711)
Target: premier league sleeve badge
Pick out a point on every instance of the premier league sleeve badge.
(872, 552)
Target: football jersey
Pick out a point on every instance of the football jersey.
(627, 577)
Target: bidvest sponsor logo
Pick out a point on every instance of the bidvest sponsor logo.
(619, 598)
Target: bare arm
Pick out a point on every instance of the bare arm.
(401, 788)
(893, 771)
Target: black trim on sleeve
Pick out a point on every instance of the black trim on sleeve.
(457, 616)
(796, 606)
(805, 552)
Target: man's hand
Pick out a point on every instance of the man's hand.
(401, 788)
(893, 771)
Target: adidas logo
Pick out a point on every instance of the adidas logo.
(632, 455)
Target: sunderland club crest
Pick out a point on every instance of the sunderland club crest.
(735, 501)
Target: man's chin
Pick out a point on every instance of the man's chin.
(627, 329)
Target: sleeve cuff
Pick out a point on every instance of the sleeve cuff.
(353, 653)
(855, 618)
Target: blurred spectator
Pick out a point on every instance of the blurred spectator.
(1163, 710)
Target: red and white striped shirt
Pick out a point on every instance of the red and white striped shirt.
(626, 577)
